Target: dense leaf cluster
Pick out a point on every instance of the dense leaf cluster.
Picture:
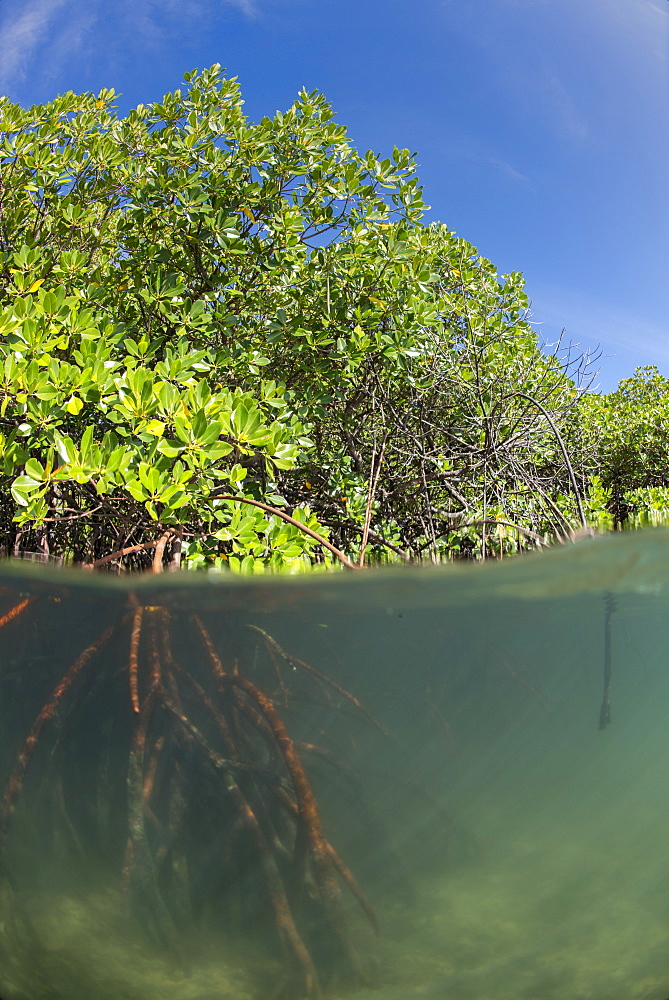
(629, 429)
(199, 314)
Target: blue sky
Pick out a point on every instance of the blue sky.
(541, 127)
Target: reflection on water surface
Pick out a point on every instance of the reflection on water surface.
(221, 789)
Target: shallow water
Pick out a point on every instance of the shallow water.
(509, 846)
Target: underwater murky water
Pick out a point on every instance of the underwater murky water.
(215, 788)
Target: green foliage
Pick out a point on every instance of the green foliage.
(451, 408)
(195, 308)
(157, 271)
(628, 430)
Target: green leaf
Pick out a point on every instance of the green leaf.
(155, 427)
(74, 405)
(171, 449)
(136, 490)
(22, 489)
(34, 471)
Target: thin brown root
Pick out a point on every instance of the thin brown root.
(135, 635)
(16, 611)
(345, 873)
(290, 659)
(215, 659)
(139, 870)
(150, 773)
(47, 711)
(285, 923)
(308, 820)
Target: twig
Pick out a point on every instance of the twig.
(372, 535)
(121, 552)
(563, 449)
(374, 474)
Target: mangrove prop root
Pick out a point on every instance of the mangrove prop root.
(273, 645)
(285, 923)
(309, 826)
(17, 610)
(230, 731)
(345, 873)
(309, 820)
(132, 659)
(218, 718)
(150, 772)
(13, 788)
(140, 875)
(289, 935)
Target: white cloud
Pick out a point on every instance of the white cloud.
(22, 34)
(474, 149)
(509, 170)
(155, 20)
(42, 36)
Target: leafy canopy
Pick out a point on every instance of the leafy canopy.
(629, 430)
(147, 267)
(197, 312)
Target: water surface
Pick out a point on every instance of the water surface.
(510, 840)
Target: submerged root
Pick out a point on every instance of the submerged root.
(248, 805)
(17, 610)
